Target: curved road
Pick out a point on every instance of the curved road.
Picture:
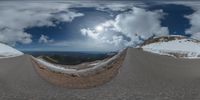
(143, 76)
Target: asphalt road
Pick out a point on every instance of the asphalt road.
(143, 76)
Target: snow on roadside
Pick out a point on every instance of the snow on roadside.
(7, 51)
(183, 48)
(97, 66)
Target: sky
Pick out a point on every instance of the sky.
(94, 26)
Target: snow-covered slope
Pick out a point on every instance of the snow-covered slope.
(180, 48)
(7, 51)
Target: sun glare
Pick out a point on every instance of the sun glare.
(99, 28)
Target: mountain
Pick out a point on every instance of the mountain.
(7, 51)
(176, 46)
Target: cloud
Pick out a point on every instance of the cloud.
(140, 22)
(90, 33)
(137, 24)
(45, 39)
(117, 6)
(10, 36)
(108, 5)
(15, 18)
(118, 41)
(107, 36)
(194, 20)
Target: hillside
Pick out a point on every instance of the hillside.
(7, 51)
(176, 46)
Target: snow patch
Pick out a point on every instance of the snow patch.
(182, 48)
(7, 51)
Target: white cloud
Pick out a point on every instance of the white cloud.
(195, 23)
(45, 39)
(137, 23)
(90, 33)
(115, 7)
(194, 20)
(106, 36)
(10, 36)
(134, 24)
(108, 5)
(118, 41)
(140, 22)
(15, 18)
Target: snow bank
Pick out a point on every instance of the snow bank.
(183, 48)
(97, 66)
(7, 51)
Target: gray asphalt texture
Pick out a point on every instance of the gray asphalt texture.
(143, 76)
